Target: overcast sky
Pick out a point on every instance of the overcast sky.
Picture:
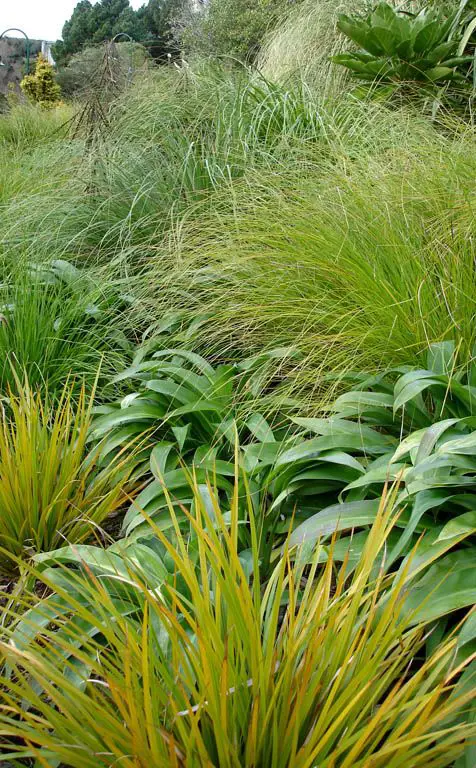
(40, 19)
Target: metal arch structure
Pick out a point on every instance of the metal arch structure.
(123, 34)
(131, 40)
(16, 29)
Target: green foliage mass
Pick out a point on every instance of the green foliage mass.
(231, 28)
(355, 254)
(428, 49)
(57, 322)
(49, 485)
(268, 286)
(191, 418)
(93, 23)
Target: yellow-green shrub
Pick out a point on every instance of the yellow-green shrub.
(41, 87)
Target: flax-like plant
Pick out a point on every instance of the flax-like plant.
(51, 490)
(312, 670)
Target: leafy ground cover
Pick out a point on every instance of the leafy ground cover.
(238, 392)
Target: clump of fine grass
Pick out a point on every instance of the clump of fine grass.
(58, 322)
(34, 173)
(27, 125)
(358, 256)
(51, 490)
(173, 141)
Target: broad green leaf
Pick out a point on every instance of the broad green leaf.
(463, 524)
(461, 445)
(457, 61)
(341, 435)
(427, 38)
(362, 401)
(378, 475)
(440, 53)
(408, 445)
(350, 547)
(129, 399)
(449, 469)
(181, 434)
(415, 524)
(438, 592)
(358, 31)
(466, 684)
(172, 390)
(159, 458)
(198, 406)
(199, 362)
(261, 454)
(385, 38)
(337, 517)
(431, 550)
(348, 59)
(94, 557)
(468, 631)
(405, 49)
(138, 525)
(260, 428)
(120, 437)
(135, 413)
(223, 384)
(137, 371)
(339, 457)
(193, 381)
(312, 482)
(378, 68)
(412, 384)
(282, 475)
(334, 426)
(383, 14)
(214, 465)
(439, 73)
(431, 436)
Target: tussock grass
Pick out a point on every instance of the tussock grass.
(204, 669)
(337, 230)
(51, 491)
(57, 323)
(27, 125)
(357, 255)
(173, 141)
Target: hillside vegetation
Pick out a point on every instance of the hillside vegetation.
(238, 401)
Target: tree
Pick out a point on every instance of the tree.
(105, 17)
(76, 32)
(41, 87)
(159, 18)
(91, 24)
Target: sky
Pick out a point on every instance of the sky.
(39, 19)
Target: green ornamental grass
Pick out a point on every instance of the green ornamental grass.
(358, 260)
